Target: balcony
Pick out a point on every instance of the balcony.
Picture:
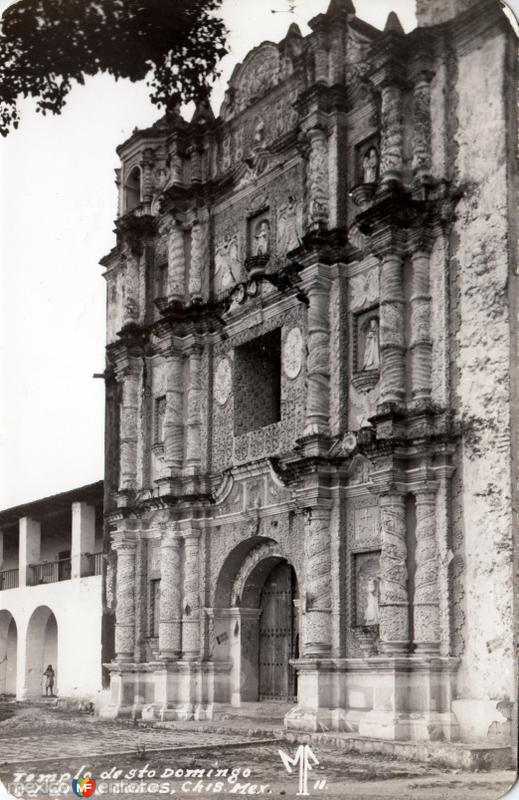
(53, 571)
(9, 579)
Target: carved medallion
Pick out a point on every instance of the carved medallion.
(222, 381)
(293, 353)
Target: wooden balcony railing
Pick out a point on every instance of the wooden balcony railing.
(95, 564)
(9, 579)
(50, 572)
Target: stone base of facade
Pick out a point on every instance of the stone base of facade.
(169, 690)
(383, 697)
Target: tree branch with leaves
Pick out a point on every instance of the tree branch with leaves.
(47, 45)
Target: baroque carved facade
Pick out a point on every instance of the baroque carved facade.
(305, 428)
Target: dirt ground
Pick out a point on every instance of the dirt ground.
(42, 748)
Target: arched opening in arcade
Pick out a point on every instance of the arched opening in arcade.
(8, 653)
(257, 623)
(41, 651)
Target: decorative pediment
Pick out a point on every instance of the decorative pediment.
(252, 79)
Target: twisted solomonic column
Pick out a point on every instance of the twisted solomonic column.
(191, 601)
(128, 428)
(317, 179)
(426, 614)
(317, 606)
(317, 419)
(420, 343)
(394, 596)
(125, 545)
(392, 328)
(194, 392)
(170, 617)
(422, 154)
(196, 266)
(174, 416)
(392, 134)
(176, 263)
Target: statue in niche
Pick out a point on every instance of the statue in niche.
(227, 263)
(371, 360)
(290, 226)
(371, 615)
(260, 245)
(370, 166)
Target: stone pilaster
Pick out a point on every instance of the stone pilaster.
(392, 327)
(426, 623)
(129, 428)
(317, 178)
(422, 154)
(195, 153)
(394, 596)
(125, 544)
(317, 604)
(197, 261)
(174, 416)
(170, 619)
(420, 343)
(191, 603)
(176, 263)
(193, 443)
(392, 134)
(318, 360)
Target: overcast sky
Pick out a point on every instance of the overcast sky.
(58, 207)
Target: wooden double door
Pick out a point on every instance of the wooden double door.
(278, 635)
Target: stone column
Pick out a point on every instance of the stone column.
(392, 134)
(128, 429)
(29, 548)
(125, 545)
(174, 416)
(394, 595)
(83, 537)
(191, 604)
(131, 308)
(426, 591)
(197, 258)
(420, 343)
(196, 163)
(170, 620)
(317, 179)
(176, 263)
(148, 163)
(422, 156)
(318, 359)
(392, 328)
(317, 605)
(193, 448)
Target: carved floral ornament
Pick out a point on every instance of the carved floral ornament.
(223, 381)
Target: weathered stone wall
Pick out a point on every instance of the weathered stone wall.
(481, 373)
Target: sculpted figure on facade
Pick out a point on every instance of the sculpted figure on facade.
(227, 263)
(290, 226)
(370, 166)
(371, 359)
(261, 243)
(371, 615)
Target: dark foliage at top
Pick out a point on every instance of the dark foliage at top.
(46, 45)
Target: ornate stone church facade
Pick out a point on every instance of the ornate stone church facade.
(311, 452)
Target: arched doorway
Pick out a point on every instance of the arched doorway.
(41, 650)
(8, 653)
(278, 634)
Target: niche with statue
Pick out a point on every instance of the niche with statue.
(366, 355)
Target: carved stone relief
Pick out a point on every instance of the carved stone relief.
(367, 577)
(226, 264)
(366, 527)
(365, 289)
(223, 381)
(290, 226)
(293, 353)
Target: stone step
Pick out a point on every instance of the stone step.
(272, 711)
